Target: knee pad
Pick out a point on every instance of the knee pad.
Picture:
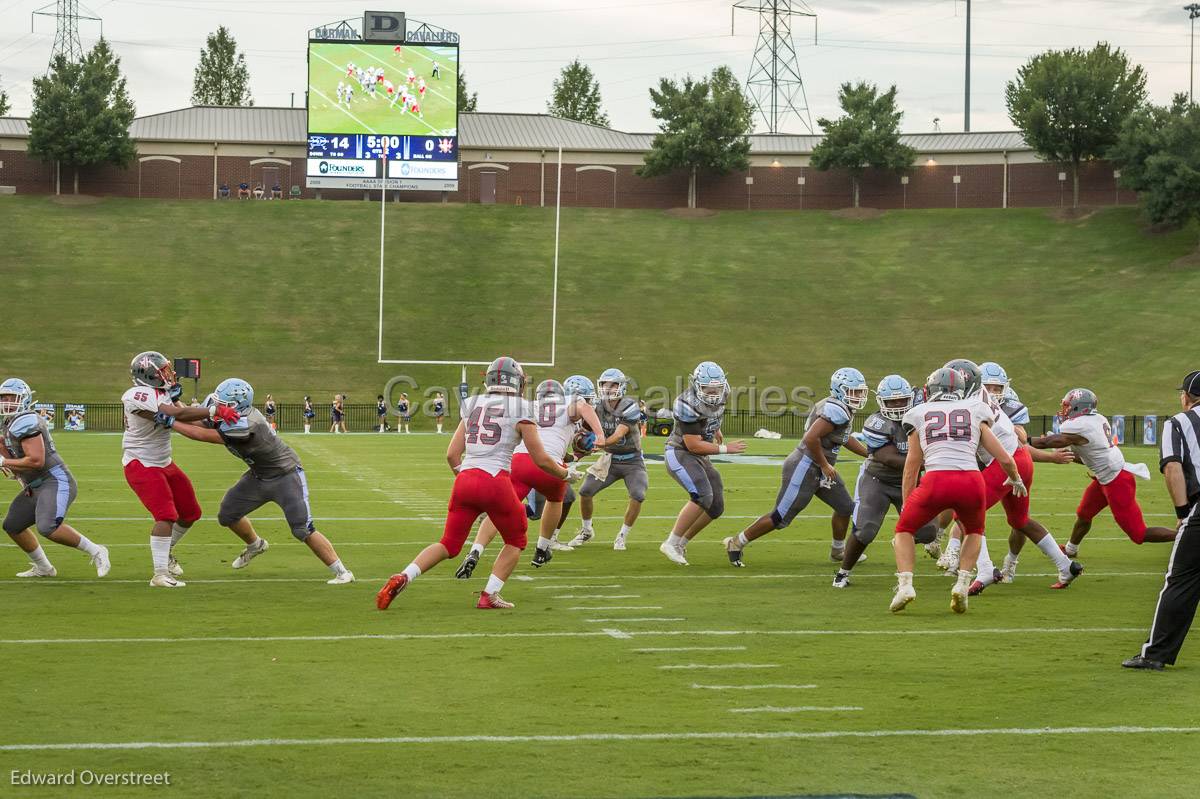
(716, 508)
(46, 531)
(638, 494)
(778, 521)
(223, 519)
(302, 533)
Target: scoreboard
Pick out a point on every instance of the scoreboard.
(362, 156)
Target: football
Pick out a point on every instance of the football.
(584, 442)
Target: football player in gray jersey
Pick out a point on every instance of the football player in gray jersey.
(28, 455)
(810, 471)
(696, 436)
(621, 417)
(881, 476)
(275, 475)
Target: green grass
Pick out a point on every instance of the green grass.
(286, 295)
(379, 498)
(367, 114)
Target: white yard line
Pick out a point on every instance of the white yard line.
(716, 666)
(764, 687)
(692, 649)
(616, 607)
(345, 111)
(598, 737)
(428, 84)
(596, 596)
(637, 619)
(564, 587)
(798, 709)
(616, 633)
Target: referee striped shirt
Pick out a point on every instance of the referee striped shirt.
(1181, 444)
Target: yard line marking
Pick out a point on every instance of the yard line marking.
(764, 687)
(564, 587)
(721, 666)
(799, 709)
(616, 633)
(641, 618)
(616, 607)
(203, 639)
(692, 649)
(603, 737)
(597, 596)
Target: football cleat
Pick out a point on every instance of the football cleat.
(958, 598)
(734, 552)
(948, 562)
(1008, 572)
(101, 562)
(674, 554)
(492, 602)
(166, 581)
(35, 570)
(1139, 662)
(836, 553)
(467, 567)
(842, 579)
(540, 558)
(933, 549)
(619, 542)
(344, 578)
(1065, 580)
(173, 566)
(582, 538)
(1063, 548)
(977, 587)
(395, 584)
(251, 552)
(904, 595)
(559, 546)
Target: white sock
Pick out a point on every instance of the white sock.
(86, 545)
(904, 579)
(625, 530)
(337, 568)
(1011, 557)
(306, 428)
(477, 548)
(1050, 547)
(177, 533)
(839, 544)
(1072, 549)
(38, 556)
(160, 552)
(964, 579)
(439, 428)
(412, 571)
(984, 564)
(587, 525)
(742, 540)
(953, 545)
(494, 584)
(676, 540)
(542, 543)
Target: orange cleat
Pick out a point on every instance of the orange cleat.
(492, 602)
(395, 584)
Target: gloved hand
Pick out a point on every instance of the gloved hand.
(164, 420)
(175, 391)
(1018, 487)
(224, 413)
(573, 475)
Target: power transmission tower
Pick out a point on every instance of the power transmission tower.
(66, 33)
(774, 83)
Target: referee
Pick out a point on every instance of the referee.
(1177, 601)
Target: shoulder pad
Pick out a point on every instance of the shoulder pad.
(239, 429)
(628, 410)
(25, 425)
(876, 423)
(684, 411)
(835, 412)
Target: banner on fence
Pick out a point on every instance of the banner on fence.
(46, 411)
(1118, 429)
(75, 417)
(1150, 431)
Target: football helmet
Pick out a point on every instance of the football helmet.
(550, 388)
(505, 376)
(895, 397)
(710, 383)
(580, 386)
(946, 384)
(235, 393)
(151, 369)
(1078, 402)
(612, 384)
(1009, 395)
(970, 372)
(994, 378)
(849, 386)
(16, 397)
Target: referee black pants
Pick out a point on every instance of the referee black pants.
(1178, 599)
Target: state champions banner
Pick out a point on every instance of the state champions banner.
(75, 417)
(1150, 431)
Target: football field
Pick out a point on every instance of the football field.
(617, 675)
(373, 113)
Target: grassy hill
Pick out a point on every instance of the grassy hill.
(285, 294)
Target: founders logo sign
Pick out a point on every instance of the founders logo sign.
(335, 168)
(383, 25)
(343, 168)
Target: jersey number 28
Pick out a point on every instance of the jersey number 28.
(955, 426)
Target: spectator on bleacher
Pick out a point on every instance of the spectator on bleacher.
(258, 191)
(243, 191)
(277, 192)
(223, 192)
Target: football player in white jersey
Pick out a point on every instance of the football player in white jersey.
(944, 435)
(159, 483)
(558, 414)
(480, 454)
(1088, 435)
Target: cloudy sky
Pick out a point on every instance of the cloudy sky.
(512, 49)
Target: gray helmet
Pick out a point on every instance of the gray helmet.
(505, 376)
(946, 383)
(550, 388)
(151, 369)
(1078, 402)
(971, 374)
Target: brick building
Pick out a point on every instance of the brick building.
(512, 158)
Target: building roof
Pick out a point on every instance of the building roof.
(481, 131)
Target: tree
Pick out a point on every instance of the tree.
(577, 95)
(1070, 104)
(1158, 151)
(4, 106)
(703, 124)
(466, 100)
(221, 77)
(866, 136)
(82, 113)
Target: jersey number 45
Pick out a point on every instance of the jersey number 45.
(482, 428)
